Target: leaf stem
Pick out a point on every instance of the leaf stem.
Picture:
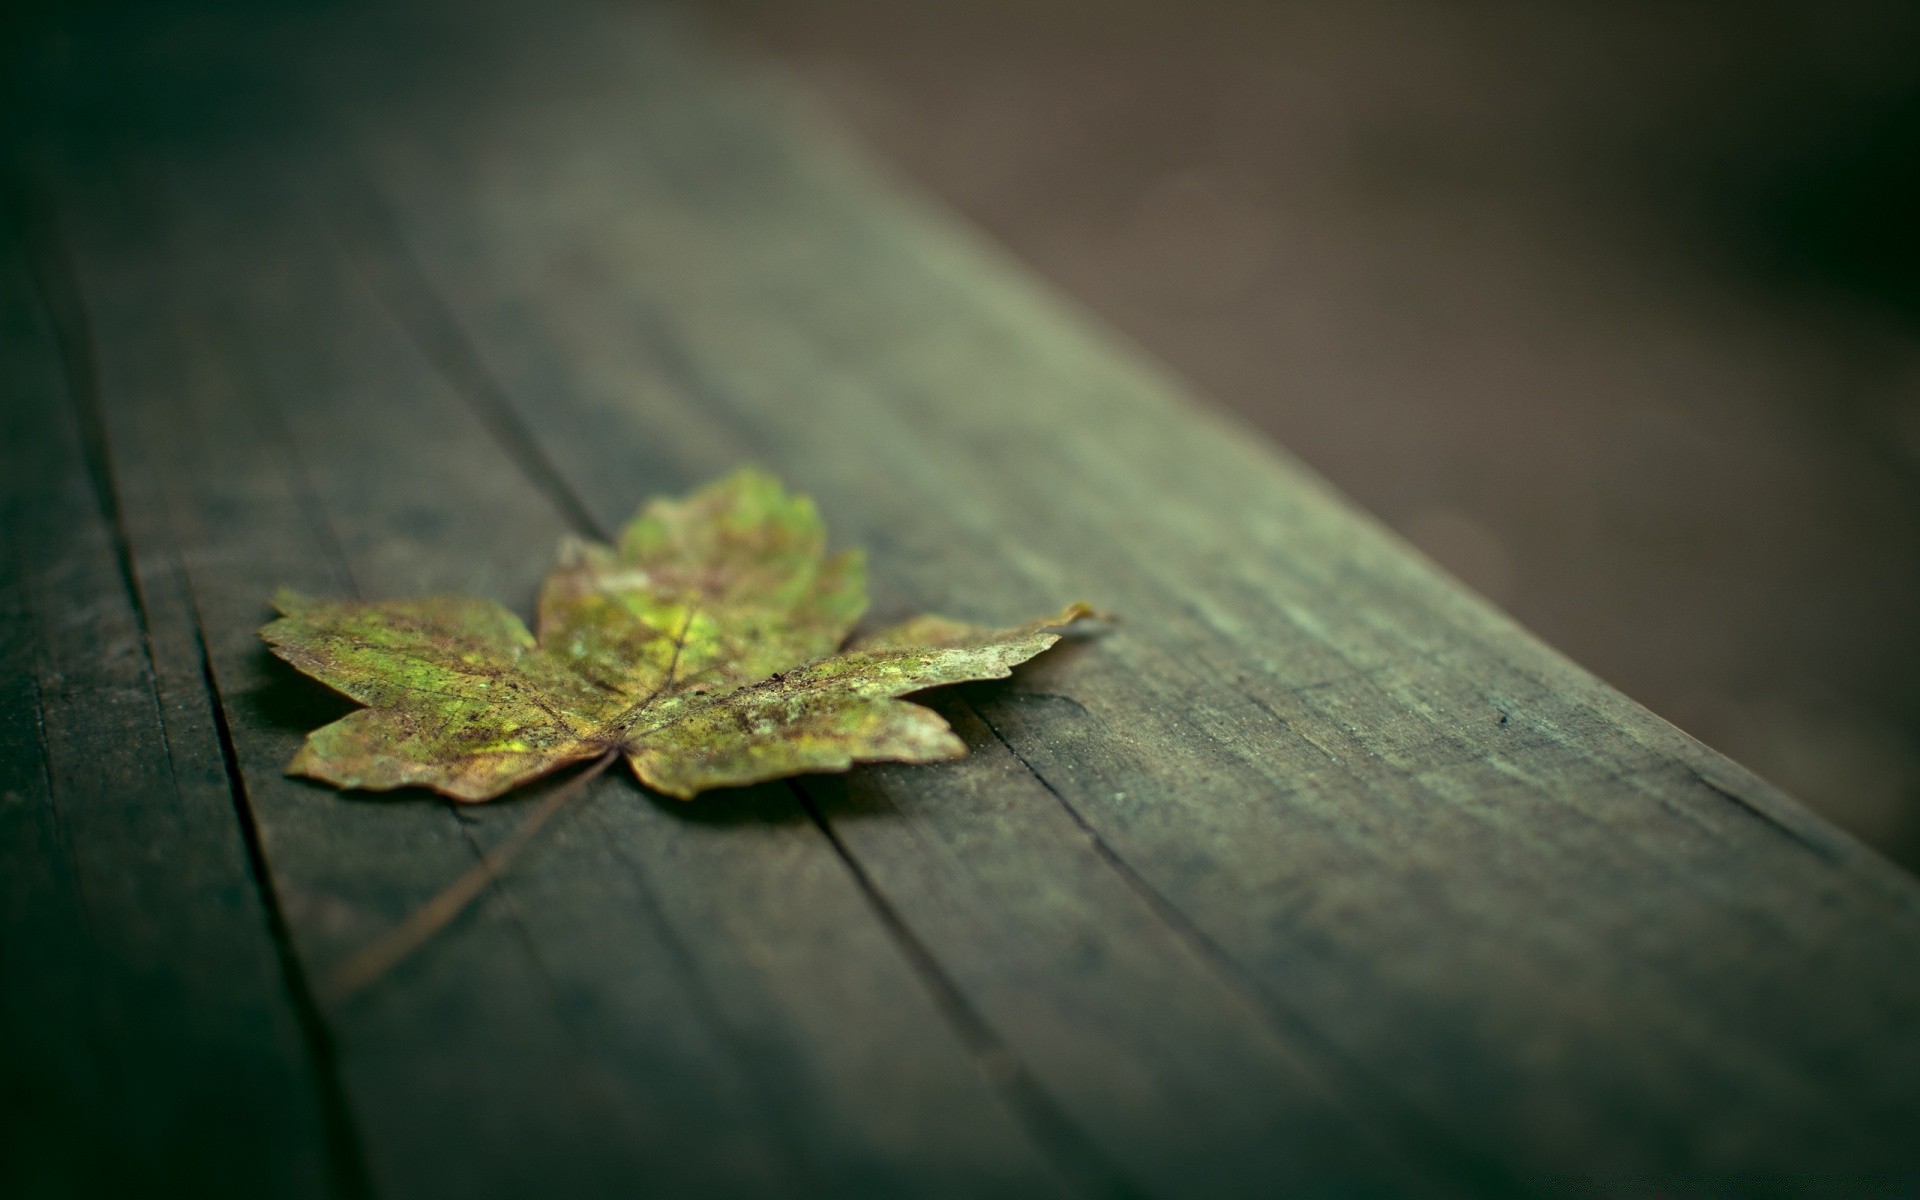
(371, 962)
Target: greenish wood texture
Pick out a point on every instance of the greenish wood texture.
(1314, 874)
(148, 1035)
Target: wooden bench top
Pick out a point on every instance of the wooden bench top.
(1315, 874)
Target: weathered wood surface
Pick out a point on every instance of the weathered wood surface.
(139, 977)
(1316, 873)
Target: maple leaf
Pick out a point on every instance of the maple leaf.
(705, 648)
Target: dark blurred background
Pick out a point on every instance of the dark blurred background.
(1613, 309)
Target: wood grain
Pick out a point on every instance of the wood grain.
(1313, 872)
(152, 1037)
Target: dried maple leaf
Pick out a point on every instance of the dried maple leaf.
(702, 648)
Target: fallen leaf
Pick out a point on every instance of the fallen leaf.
(705, 648)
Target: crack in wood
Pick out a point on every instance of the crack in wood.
(377, 251)
(1069, 1147)
(343, 1140)
(1419, 1134)
(51, 269)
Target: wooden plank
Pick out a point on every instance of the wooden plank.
(1566, 936)
(151, 1038)
(1315, 871)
